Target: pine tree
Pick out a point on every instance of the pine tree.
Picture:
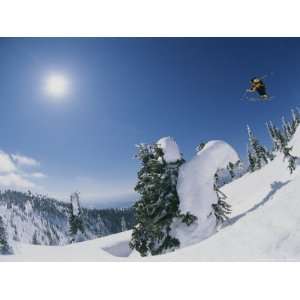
(238, 169)
(276, 136)
(252, 161)
(216, 177)
(225, 175)
(259, 154)
(291, 159)
(281, 141)
(4, 246)
(76, 226)
(221, 209)
(271, 130)
(35, 239)
(295, 119)
(287, 129)
(123, 224)
(200, 146)
(270, 155)
(230, 168)
(159, 203)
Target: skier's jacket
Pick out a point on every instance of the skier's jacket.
(257, 85)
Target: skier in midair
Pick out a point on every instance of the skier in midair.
(257, 85)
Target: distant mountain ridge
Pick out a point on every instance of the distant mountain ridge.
(37, 219)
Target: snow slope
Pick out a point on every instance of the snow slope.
(264, 225)
(265, 222)
(111, 248)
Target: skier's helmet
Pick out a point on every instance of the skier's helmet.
(255, 80)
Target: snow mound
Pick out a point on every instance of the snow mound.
(196, 193)
(170, 149)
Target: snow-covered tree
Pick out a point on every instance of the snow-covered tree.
(258, 155)
(76, 226)
(291, 159)
(223, 176)
(275, 135)
(231, 172)
(236, 169)
(159, 202)
(123, 224)
(295, 119)
(4, 245)
(280, 142)
(287, 129)
(230, 168)
(222, 209)
(200, 146)
(35, 239)
(251, 161)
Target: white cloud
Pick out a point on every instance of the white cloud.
(12, 174)
(37, 175)
(13, 180)
(19, 172)
(22, 160)
(6, 163)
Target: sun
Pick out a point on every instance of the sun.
(57, 85)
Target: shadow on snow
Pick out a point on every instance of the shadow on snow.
(275, 186)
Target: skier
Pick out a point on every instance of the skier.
(257, 85)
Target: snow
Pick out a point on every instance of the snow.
(28, 208)
(46, 220)
(295, 143)
(111, 248)
(196, 193)
(170, 149)
(119, 249)
(264, 225)
(196, 177)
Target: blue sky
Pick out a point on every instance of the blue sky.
(127, 91)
